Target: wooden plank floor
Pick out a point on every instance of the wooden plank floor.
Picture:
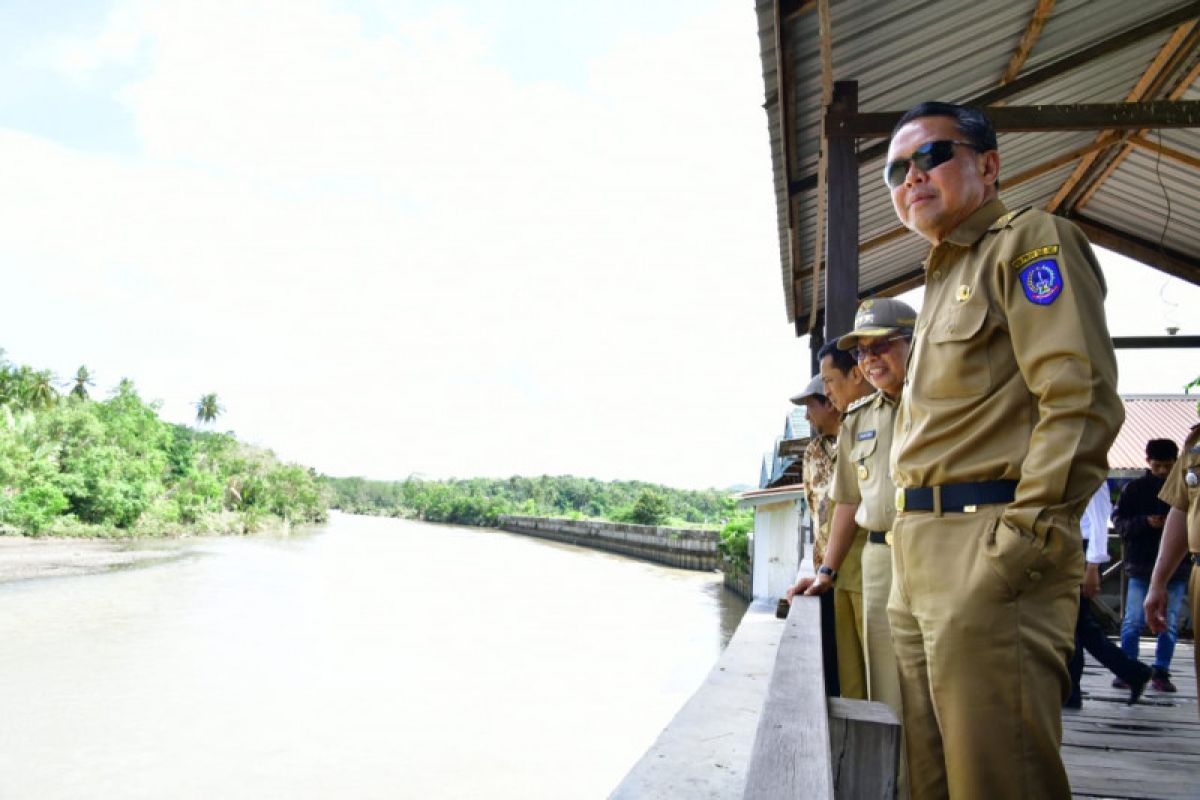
(1150, 750)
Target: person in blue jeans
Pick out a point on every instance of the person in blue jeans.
(1139, 518)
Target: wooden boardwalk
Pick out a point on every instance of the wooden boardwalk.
(1150, 750)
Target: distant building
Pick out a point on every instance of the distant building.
(781, 465)
(1149, 416)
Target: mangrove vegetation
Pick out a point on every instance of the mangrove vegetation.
(74, 465)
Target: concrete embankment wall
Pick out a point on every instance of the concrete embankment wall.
(676, 547)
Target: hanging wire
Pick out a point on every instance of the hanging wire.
(1162, 239)
(1172, 323)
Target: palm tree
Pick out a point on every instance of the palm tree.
(83, 379)
(35, 388)
(208, 409)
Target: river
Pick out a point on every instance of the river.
(369, 658)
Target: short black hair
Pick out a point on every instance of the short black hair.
(1162, 450)
(970, 121)
(842, 359)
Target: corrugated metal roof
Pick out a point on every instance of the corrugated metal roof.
(1151, 416)
(903, 53)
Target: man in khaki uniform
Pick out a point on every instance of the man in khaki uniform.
(844, 384)
(880, 343)
(1001, 438)
(1181, 534)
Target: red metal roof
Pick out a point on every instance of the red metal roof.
(1151, 416)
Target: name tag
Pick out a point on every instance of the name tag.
(864, 435)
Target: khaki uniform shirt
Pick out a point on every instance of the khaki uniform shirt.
(1178, 494)
(863, 473)
(819, 458)
(1012, 373)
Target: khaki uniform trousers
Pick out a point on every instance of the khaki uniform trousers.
(848, 622)
(983, 622)
(1194, 591)
(848, 632)
(883, 678)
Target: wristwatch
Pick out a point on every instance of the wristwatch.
(825, 569)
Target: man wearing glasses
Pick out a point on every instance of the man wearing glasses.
(880, 342)
(1002, 434)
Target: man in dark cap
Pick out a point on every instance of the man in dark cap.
(824, 422)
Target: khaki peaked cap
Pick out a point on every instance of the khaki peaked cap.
(879, 317)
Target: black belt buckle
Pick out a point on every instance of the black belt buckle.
(879, 537)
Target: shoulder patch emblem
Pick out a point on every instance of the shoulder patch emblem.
(1042, 281)
(863, 436)
(1033, 255)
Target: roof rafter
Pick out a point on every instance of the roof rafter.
(1152, 253)
(1032, 33)
(1120, 41)
(1168, 152)
(1184, 51)
(1095, 169)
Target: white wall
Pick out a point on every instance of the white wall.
(776, 549)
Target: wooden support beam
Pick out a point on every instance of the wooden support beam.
(864, 747)
(1032, 33)
(782, 72)
(841, 278)
(1155, 342)
(1169, 261)
(1041, 119)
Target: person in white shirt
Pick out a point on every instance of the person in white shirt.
(1088, 635)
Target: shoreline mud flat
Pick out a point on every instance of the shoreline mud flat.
(23, 558)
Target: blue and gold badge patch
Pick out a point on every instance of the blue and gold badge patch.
(1042, 281)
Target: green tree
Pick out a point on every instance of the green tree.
(650, 508)
(35, 388)
(82, 380)
(208, 409)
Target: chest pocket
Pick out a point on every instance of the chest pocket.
(955, 362)
(861, 452)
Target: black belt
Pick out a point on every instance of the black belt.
(958, 496)
(878, 537)
(1196, 559)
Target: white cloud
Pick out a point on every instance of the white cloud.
(388, 256)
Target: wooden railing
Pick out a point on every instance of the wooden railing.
(762, 727)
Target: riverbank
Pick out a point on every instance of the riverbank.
(23, 558)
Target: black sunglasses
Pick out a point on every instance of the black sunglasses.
(876, 349)
(926, 157)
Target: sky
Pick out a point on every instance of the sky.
(481, 238)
